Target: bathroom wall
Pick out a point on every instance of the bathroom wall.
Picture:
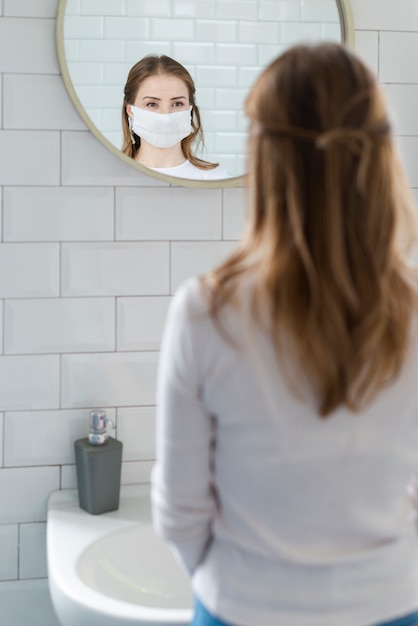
(90, 252)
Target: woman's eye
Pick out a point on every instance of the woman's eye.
(151, 105)
(179, 104)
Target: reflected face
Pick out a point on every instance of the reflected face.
(162, 93)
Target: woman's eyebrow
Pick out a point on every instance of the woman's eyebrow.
(155, 98)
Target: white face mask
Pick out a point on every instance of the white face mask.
(161, 130)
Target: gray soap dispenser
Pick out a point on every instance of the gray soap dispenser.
(98, 461)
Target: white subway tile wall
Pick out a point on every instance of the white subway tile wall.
(115, 269)
(91, 249)
(110, 379)
(27, 602)
(28, 8)
(62, 214)
(85, 161)
(32, 551)
(391, 15)
(395, 46)
(408, 147)
(28, 436)
(29, 270)
(59, 325)
(50, 107)
(168, 214)
(136, 472)
(197, 255)
(133, 472)
(24, 493)
(140, 322)
(29, 382)
(399, 97)
(37, 58)
(9, 541)
(1, 439)
(211, 39)
(233, 213)
(1, 106)
(367, 47)
(41, 149)
(136, 428)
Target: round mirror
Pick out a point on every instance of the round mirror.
(224, 45)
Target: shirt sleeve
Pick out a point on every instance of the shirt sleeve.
(182, 493)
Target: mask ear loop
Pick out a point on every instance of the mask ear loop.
(130, 122)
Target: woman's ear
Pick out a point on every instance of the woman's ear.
(129, 110)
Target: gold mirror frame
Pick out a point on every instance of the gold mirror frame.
(347, 38)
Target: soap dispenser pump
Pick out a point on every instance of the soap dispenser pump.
(98, 462)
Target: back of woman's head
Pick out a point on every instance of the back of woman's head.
(326, 199)
(320, 151)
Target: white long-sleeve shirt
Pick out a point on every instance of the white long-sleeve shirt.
(281, 517)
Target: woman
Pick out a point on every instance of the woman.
(287, 426)
(161, 121)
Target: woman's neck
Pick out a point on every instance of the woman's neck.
(150, 156)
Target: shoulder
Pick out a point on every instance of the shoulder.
(188, 302)
(216, 173)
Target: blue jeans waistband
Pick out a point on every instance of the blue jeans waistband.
(202, 617)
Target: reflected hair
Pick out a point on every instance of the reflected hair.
(327, 203)
(152, 65)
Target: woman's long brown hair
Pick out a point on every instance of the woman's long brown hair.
(152, 65)
(327, 198)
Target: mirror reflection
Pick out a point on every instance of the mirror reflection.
(222, 45)
(161, 120)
